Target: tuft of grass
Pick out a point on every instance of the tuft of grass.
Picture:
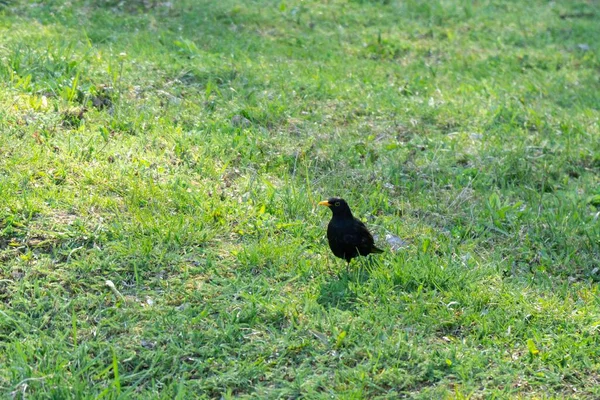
(160, 165)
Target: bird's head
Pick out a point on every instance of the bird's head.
(338, 206)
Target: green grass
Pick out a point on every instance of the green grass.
(178, 150)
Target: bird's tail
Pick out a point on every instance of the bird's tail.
(376, 250)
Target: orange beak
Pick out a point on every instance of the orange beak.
(325, 203)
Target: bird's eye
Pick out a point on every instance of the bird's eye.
(337, 203)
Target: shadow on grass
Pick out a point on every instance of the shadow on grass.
(337, 292)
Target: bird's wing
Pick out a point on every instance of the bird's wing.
(359, 235)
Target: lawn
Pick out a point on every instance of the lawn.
(161, 165)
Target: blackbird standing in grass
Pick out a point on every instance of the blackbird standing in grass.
(347, 236)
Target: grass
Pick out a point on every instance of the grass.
(160, 165)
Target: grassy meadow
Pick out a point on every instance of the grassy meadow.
(161, 165)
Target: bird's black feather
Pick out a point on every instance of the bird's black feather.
(348, 237)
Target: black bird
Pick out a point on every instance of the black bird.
(348, 237)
